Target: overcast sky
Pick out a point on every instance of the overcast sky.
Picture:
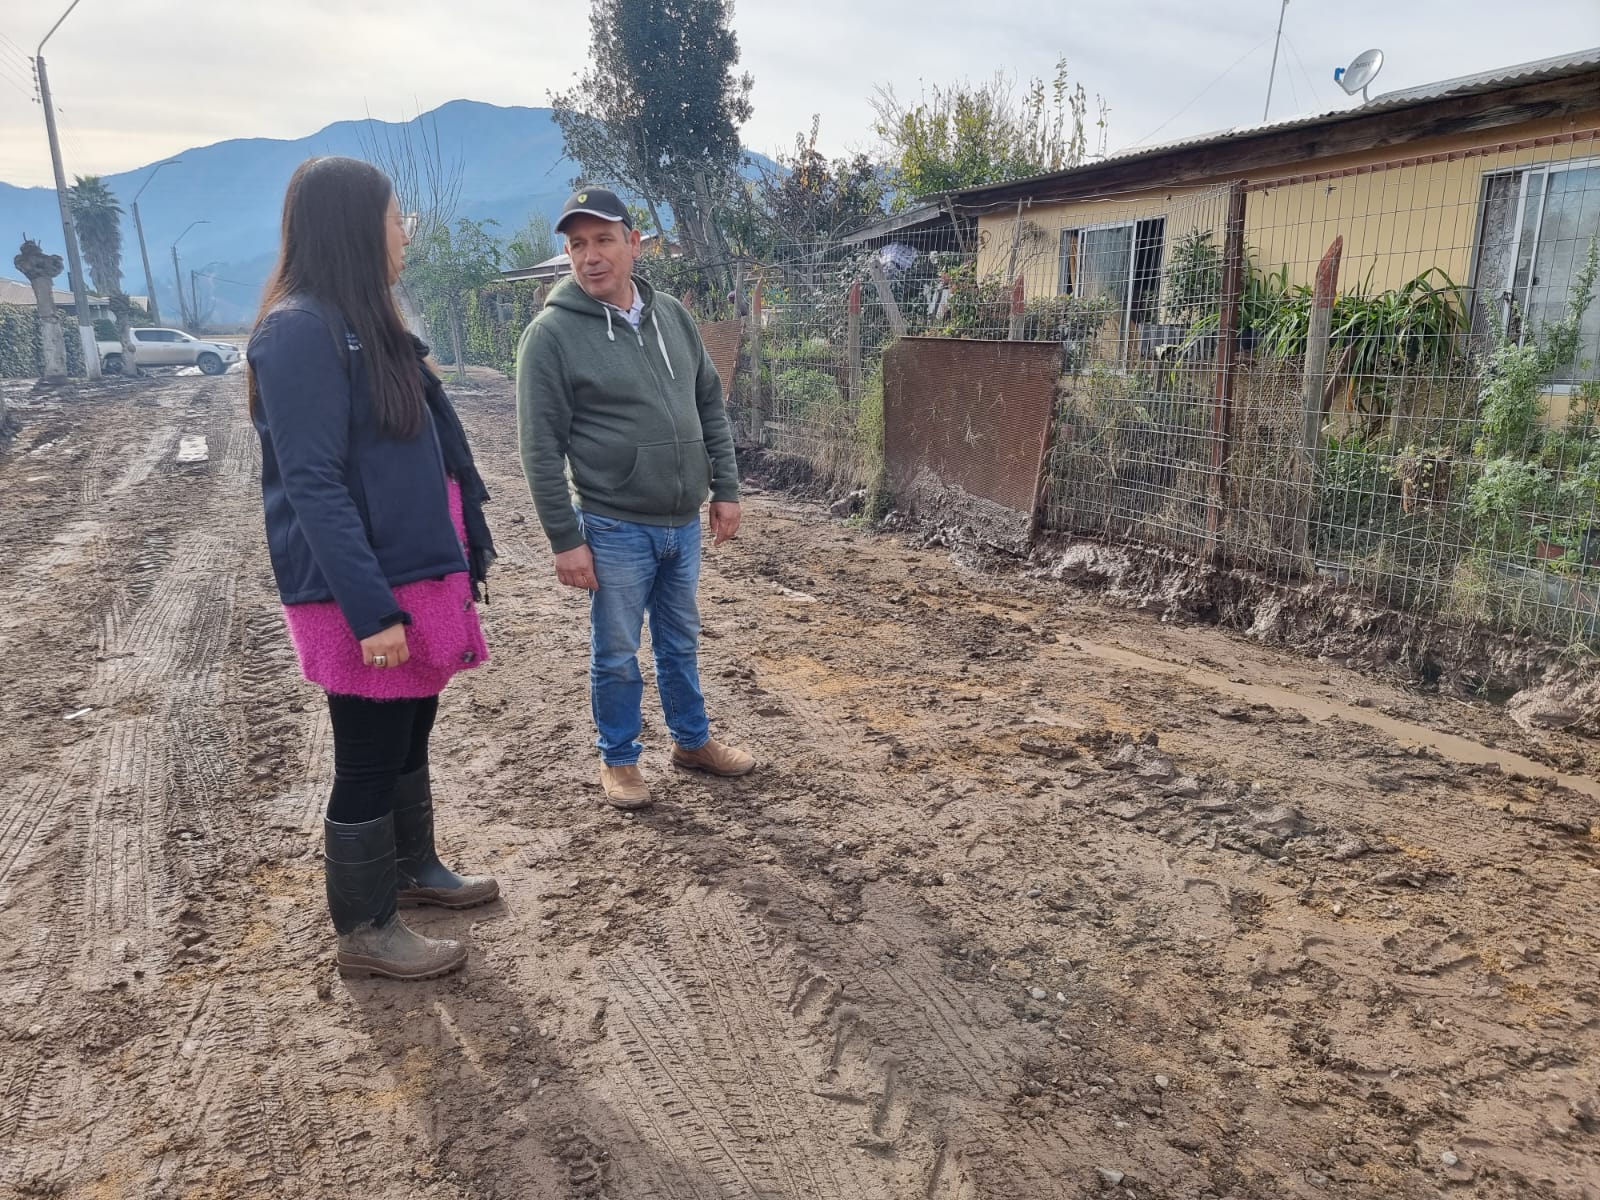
(136, 85)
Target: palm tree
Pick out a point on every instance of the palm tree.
(98, 217)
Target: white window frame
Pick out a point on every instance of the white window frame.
(1125, 329)
(1523, 174)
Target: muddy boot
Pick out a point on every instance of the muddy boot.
(360, 868)
(423, 879)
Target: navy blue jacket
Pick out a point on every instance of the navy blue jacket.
(351, 513)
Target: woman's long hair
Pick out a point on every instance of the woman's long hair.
(335, 250)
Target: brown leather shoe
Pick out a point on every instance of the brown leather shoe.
(714, 759)
(625, 786)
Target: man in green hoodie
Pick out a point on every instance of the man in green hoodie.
(615, 386)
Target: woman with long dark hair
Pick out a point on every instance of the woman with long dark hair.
(374, 516)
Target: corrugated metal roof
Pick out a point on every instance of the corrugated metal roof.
(911, 218)
(1528, 72)
(1464, 85)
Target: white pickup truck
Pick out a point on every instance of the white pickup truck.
(170, 348)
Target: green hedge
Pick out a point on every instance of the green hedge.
(22, 345)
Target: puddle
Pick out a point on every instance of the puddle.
(1457, 749)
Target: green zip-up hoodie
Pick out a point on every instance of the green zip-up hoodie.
(637, 414)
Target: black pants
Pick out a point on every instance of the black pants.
(374, 743)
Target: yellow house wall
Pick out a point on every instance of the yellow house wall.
(1396, 222)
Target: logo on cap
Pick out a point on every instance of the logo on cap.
(583, 197)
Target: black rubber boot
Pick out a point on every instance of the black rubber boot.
(423, 879)
(359, 864)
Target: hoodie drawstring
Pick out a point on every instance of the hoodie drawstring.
(661, 342)
(609, 335)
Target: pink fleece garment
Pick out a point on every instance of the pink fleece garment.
(444, 636)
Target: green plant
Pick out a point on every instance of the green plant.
(1583, 411)
(1192, 282)
(20, 351)
(869, 420)
(1506, 497)
(1516, 373)
(808, 394)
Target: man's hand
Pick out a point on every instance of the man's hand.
(724, 520)
(386, 648)
(575, 568)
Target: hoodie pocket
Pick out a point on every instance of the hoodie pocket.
(696, 473)
(666, 479)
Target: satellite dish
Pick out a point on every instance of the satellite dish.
(1359, 73)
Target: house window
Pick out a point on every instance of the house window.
(1120, 263)
(1534, 236)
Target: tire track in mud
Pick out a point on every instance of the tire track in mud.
(34, 812)
(164, 757)
(142, 463)
(705, 1056)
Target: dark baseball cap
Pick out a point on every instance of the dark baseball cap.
(594, 202)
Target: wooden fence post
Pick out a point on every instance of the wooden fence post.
(758, 432)
(853, 347)
(1316, 378)
(1314, 400)
(1227, 344)
(897, 322)
(1019, 307)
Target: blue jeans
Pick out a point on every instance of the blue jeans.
(640, 569)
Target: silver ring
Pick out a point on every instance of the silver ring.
(380, 660)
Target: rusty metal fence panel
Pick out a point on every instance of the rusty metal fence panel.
(721, 340)
(968, 414)
(1386, 376)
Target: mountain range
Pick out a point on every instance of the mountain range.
(513, 165)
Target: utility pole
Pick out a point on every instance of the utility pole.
(154, 309)
(1268, 105)
(177, 272)
(194, 303)
(80, 294)
(177, 281)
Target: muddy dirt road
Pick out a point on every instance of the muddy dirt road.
(1029, 899)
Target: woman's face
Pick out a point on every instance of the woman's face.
(397, 238)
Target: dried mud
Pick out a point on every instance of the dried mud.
(1030, 897)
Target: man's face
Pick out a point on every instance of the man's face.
(603, 253)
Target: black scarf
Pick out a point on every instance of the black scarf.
(458, 461)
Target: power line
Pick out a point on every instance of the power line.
(21, 74)
(1203, 91)
(22, 88)
(1294, 92)
(220, 279)
(1309, 78)
(15, 52)
(18, 67)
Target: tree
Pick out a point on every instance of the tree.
(658, 112)
(531, 244)
(810, 198)
(426, 180)
(796, 211)
(445, 267)
(40, 269)
(98, 216)
(963, 136)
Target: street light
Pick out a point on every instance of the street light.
(177, 275)
(154, 309)
(80, 294)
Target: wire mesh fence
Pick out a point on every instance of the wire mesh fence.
(1387, 376)
(1448, 377)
